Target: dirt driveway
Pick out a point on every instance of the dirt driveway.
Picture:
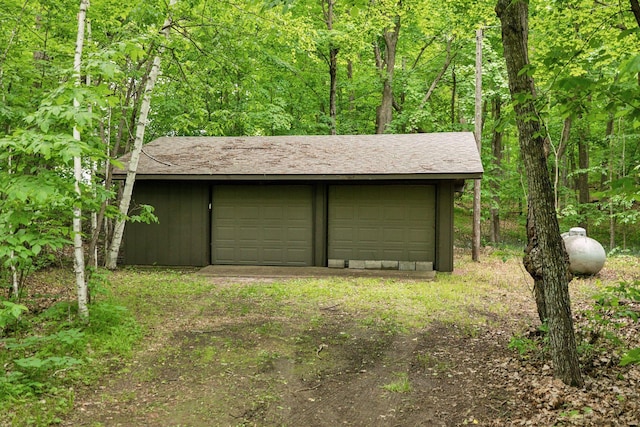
(245, 363)
(267, 350)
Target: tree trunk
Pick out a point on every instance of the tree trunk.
(612, 218)
(78, 259)
(477, 206)
(114, 249)
(333, 65)
(545, 246)
(435, 81)
(583, 176)
(635, 8)
(386, 65)
(496, 150)
(454, 94)
(562, 148)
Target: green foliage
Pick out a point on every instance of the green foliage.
(37, 360)
(10, 313)
(611, 311)
(523, 345)
(632, 356)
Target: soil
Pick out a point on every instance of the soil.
(342, 373)
(449, 372)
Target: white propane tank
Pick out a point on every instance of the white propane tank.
(586, 255)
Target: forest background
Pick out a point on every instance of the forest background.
(286, 67)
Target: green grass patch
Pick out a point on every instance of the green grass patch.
(400, 385)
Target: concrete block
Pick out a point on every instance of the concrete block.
(335, 263)
(389, 265)
(372, 265)
(356, 264)
(406, 265)
(424, 266)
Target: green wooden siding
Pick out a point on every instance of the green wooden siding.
(382, 222)
(262, 225)
(182, 235)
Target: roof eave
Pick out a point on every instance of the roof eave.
(293, 177)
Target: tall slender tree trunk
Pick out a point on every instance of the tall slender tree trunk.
(477, 205)
(333, 64)
(496, 150)
(545, 256)
(454, 94)
(559, 155)
(450, 56)
(583, 175)
(386, 65)
(114, 249)
(78, 259)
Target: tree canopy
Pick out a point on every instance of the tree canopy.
(282, 67)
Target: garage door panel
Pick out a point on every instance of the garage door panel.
(297, 213)
(257, 225)
(273, 213)
(392, 254)
(389, 222)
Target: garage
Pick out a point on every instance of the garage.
(300, 200)
(382, 222)
(262, 225)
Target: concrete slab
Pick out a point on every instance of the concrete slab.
(356, 264)
(424, 265)
(372, 265)
(237, 271)
(389, 265)
(336, 263)
(407, 265)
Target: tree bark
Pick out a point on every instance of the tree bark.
(114, 249)
(386, 65)
(543, 231)
(559, 154)
(435, 81)
(78, 259)
(583, 176)
(333, 65)
(635, 8)
(477, 205)
(496, 150)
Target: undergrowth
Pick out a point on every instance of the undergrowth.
(606, 332)
(46, 355)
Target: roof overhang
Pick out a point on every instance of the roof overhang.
(407, 157)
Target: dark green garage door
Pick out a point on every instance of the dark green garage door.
(382, 222)
(262, 225)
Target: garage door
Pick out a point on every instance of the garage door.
(262, 225)
(382, 222)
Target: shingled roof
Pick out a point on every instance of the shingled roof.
(451, 155)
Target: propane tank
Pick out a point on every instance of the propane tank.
(586, 255)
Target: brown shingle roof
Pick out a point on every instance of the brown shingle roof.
(436, 155)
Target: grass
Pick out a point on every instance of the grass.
(254, 326)
(400, 385)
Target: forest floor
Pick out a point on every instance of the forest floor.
(272, 352)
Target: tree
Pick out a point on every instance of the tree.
(125, 201)
(386, 62)
(545, 257)
(78, 258)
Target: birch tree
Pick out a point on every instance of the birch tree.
(78, 259)
(125, 201)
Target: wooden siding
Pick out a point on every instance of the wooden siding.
(182, 235)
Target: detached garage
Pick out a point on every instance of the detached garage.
(300, 200)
